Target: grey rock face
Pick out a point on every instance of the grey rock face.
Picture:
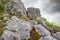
(11, 29)
(8, 35)
(16, 29)
(18, 7)
(47, 38)
(33, 22)
(24, 30)
(41, 30)
(1, 39)
(57, 35)
(13, 23)
(34, 12)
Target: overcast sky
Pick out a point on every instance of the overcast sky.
(50, 9)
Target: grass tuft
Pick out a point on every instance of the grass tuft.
(24, 18)
(4, 1)
(1, 8)
(38, 20)
(51, 25)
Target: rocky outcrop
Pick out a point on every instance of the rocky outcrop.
(16, 7)
(16, 29)
(33, 12)
(19, 29)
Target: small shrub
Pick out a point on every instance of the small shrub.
(10, 12)
(11, 6)
(1, 32)
(4, 1)
(38, 20)
(1, 8)
(1, 17)
(2, 22)
(30, 39)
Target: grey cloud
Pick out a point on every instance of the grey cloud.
(50, 9)
(54, 7)
(29, 3)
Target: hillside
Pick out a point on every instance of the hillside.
(17, 23)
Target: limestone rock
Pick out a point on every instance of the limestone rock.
(33, 22)
(16, 7)
(33, 12)
(13, 23)
(11, 29)
(57, 35)
(41, 30)
(1, 39)
(18, 29)
(9, 35)
(47, 38)
(24, 30)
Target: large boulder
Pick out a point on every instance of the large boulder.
(16, 29)
(33, 12)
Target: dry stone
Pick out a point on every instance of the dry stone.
(33, 12)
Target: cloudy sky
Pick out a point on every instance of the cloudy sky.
(50, 9)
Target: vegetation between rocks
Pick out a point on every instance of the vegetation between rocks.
(2, 21)
(51, 25)
(4, 1)
(1, 8)
(38, 20)
(24, 17)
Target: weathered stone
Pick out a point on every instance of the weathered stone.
(47, 38)
(13, 23)
(33, 22)
(33, 12)
(9, 35)
(1, 39)
(18, 29)
(41, 30)
(18, 7)
(24, 30)
(57, 35)
(11, 28)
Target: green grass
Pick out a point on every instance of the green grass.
(2, 22)
(2, 25)
(1, 32)
(1, 8)
(4, 1)
(24, 18)
(38, 20)
(11, 6)
(51, 25)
